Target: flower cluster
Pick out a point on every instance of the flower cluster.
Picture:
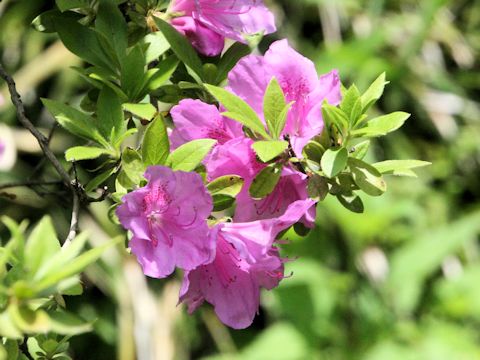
(228, 263)
(243, 163)
(206, 23)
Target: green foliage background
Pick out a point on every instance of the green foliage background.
(397, 282)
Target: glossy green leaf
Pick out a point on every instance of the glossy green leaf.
(353, 203)
(162, 73)
(374, 92)
(111, 23)
(133, 169)
(335, 115)
(313, 151)
(157, 45)
(79, 153)
(229, 185)
(230, 59)
(367, 178)
(144, 111)
(155, 145)
(317, 187)
(110, 120)
(181, 47)
(41, 245)
(188, 156)
(382, 125)
(75, 266)
(334, 161)
(133, 76)
(273, 104)
(361, 149)
(73, 120)
(269, 150)
(64, 5)
(222, 202)
(238, 110)
(400, 167)
(84, 43)
(265, 182)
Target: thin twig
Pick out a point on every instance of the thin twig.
(74, 222)
(78, 191)
(42, 139)
(30, 183)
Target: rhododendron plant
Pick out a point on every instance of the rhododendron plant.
(205, 153)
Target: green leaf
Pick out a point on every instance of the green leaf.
(79, 153)
(75, 121)
(188, 156)
(353, 203)
(269, 150)
(266, 181)
(110, 120)
(222, 202)
(133, 169)
(350, 98)
(157, 45)
(155, 145)
(334, 161)
(181, 47)
(68, 324)
(100, 179)
(60, 259)
(273, 105)
(83, 42)
(41, 245)
(133, 74)
(75, 266)
(27, 320)
(8, 328)
(230, 59)
(64, 5)
(238, 110)
(313, 151)
(143, 111)
(317, 187)
(229, 185)
(334, 115)
(111, 23)
(361, 149)
(367, 178)
(400, 167)
(382, 125)
(374, 92)
(162, 73)
(45, 22)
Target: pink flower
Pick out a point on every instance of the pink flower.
(194, 119)
(300, 83)
(219, 19)
(238, 158)
(168, 221)
(245, 262)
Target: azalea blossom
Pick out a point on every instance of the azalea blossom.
(246, 261)
(208, 22)
(238, 158)
(194, 119)
(168, 221)
(300, 83)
